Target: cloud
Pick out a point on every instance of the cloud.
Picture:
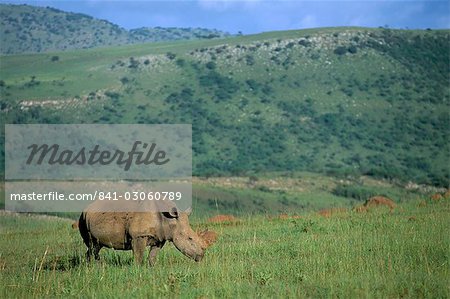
(253, 16)
(223, 5)
(309, 21)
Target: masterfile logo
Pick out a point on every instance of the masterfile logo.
(98, 152)
(52, 168)
(54, 155)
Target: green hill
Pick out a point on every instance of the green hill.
(28, 29)
(341, 101)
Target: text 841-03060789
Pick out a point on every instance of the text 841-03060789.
(140, 195)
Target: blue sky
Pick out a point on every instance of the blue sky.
(255, 16)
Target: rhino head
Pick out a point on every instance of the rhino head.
(183, 237)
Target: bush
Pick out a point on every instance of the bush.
(112, 94)
(171, 55)
(340, 50)
(249, 60)
(352, 49)
(304, 43)
(253, 84)
(357, 192)
(211, 65)
(134, 64)
(180, 62)
(124, 80)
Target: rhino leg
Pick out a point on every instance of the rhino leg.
(94, 250)
(91, 243)
(154, 252)
(138, 246)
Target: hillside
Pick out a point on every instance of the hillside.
(341, 101)
(28, 29)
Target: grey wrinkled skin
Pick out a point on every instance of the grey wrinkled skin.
(138, 230)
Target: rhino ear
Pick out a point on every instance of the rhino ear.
(173, 213)
(188, 211)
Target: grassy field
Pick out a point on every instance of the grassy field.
(377, 254)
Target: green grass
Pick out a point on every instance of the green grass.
(374, 255)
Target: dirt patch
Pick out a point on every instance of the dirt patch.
(375, 202)
(437, 197)
(222, 218)
(209, 236)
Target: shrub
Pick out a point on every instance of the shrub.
(253, 84)
(352, 49)
(171, 55)
(304, 43)
(357, 192)
(134, 64)
(290, 45)
(124, 80)
(249, 60)
(340, 50)
(112, 94)
(211, 65)
(180, 62)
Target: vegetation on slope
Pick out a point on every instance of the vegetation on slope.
(27, 29)
(342, 101)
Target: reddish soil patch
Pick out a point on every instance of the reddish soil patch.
(437, 196)
(330, 212)
(75, 225)
(209, 236)
(283, 216)
(222, 218)
(375, 202)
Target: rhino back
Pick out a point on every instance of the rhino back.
(109, 229)
(117, 229)
(145, 224)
